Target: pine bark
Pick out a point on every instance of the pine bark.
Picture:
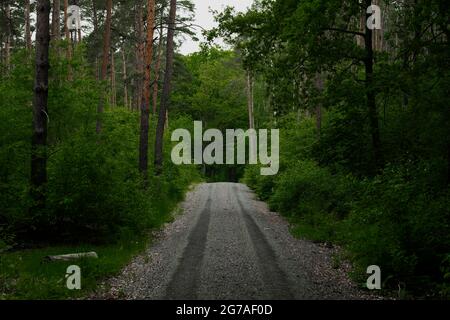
(371, 95)
(113, 81)
(27, 25)
(40, 113)
(66, 19)
(250, 101)
(67, 36)
(95, 15)
(159, 143)
(105, 61)
(8, 37)
(56, 22)
(125, 79)
(158, 68)
(139, 54)
(145, 107)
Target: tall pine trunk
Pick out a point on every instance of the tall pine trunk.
(113, 80)
(145, 106)
(40, 114)
(371, 95)
(8, 37)
(158, 66)
(105, 62)
(125, 79)
(250, 103)
(159, 141)
(56, 23)
(66, 19)
(95, 16)
(27, 25)
(67, 36)
(139, 54)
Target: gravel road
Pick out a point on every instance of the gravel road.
(228, 245)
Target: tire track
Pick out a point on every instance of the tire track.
(185, 280)
(274, 277)
(228, 246)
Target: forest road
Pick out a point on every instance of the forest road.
(228, 245)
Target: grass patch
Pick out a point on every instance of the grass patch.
(25, 275)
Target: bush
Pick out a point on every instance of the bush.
(400, 224)
(397, 220)
(94, 192)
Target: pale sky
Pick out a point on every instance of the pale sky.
(204, 18)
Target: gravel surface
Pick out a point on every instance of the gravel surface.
(228, 245)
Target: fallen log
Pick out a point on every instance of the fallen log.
(72, 256)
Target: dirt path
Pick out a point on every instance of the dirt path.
(228, 245)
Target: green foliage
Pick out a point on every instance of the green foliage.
(210, 86)
(400, 224)
(94, 193)
(398, 219)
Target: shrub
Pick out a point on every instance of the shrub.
(400, 224)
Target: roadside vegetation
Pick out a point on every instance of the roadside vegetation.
(364, 123)
(85, 145)
(95, 199)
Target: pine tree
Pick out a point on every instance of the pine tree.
(166, 89)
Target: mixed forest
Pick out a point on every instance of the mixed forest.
(87, 111)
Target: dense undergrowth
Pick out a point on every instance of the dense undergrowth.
(95, 199)
(397, 219)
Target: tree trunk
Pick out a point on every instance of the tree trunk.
(66, 19)
(8, 37)
(39, 140)
(319, 119)
(166, 126)
(56, 23)
(250, 103)
(97, 73)
(80, 37)
(95, 22)
(67, 35)
(125, 79)
(158, 68)
(95, 15)
(113, 81)
(145, 107)
(371, 96)
(166, 89)
(105, 62)
(139, 54)
(27, 25)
